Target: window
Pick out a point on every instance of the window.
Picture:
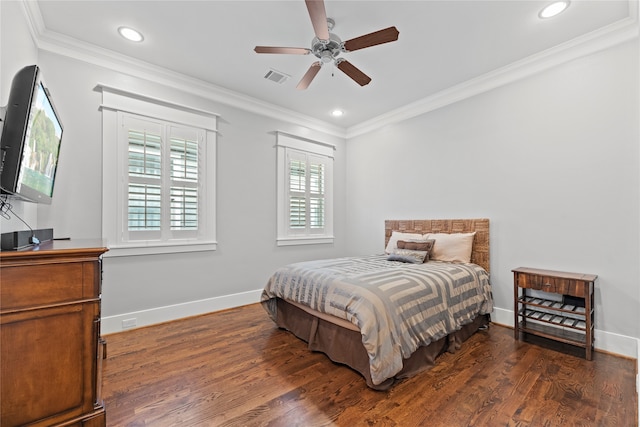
(305, 191)
(158, 176)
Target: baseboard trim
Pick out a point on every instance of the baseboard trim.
(502, 317)
(609, 342)
(136, 319)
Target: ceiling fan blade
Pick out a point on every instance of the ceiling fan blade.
(318, 18)
(309, 75)
(378, 37)
(351, 71)
(288, 50)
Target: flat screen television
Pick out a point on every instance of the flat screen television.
(30, 139)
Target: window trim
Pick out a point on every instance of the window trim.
(118, 101)
(285, 142)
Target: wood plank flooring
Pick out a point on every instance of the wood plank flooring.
(235, 368)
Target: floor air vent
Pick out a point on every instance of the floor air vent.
(276, 76)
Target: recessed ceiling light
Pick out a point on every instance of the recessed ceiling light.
(130, 34)
(553, 9)
(337, 113)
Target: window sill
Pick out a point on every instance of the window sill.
(292, 241)
(154, 248)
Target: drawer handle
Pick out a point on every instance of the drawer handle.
(548, 285)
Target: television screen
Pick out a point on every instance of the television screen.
(42, 142)
(31, 137)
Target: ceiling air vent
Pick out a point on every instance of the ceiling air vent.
(276, 76)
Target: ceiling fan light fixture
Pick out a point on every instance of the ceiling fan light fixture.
(131, 34)
(554, 9)
(326, 57)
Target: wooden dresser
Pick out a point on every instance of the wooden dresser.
(50, 345)
(563, 312)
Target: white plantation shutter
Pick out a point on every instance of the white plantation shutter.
(144, 180)
(316, 193)
(305, 202)
(163, 179)
(144, 207)
(184, 177)
(297, 192)
(306, 174)
(184, 208)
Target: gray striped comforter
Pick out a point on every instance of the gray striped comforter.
(397, 306)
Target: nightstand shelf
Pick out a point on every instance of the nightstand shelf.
(551, 332)
(563, 309)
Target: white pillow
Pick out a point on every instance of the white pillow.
(455, 247)
(397, 235)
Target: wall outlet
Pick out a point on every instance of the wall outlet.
(129, 323)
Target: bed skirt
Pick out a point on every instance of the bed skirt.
(344, 346)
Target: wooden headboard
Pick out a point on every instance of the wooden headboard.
(480, 251)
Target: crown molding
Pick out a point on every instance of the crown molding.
(31, 12)
(598, 40)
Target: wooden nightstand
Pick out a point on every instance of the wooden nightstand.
(564, 312)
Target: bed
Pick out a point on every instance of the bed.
(389, 316)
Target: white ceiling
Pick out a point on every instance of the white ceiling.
(441, 44)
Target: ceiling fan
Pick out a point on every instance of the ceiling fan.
(326, 46)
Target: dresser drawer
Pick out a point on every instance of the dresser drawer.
(556, 285)
(46, 284)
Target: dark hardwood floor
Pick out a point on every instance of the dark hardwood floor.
(235, 368)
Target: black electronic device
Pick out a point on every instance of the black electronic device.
(22, 239)
(30, 139)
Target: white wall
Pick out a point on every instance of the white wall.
(16, 45)
(552, 160)
(18, 49)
